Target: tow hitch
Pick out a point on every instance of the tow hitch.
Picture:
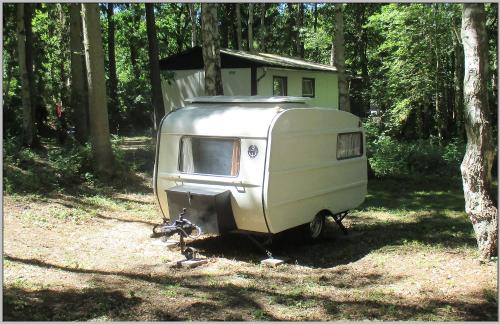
(184, 228)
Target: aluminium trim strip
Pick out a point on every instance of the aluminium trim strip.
(221, 179)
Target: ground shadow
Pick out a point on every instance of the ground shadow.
(227, 301)
(68, 305)
(433, 227)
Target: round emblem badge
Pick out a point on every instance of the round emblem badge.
(253, 151)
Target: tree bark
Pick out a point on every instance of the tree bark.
(339, 59)
(79, 100)
(211, 53)
(250, 27)
(238, 26)
(263, 29)
(25, 66)
(192, 14)
(478, 160)
(98, 110)
(154, 67)
(113, 79)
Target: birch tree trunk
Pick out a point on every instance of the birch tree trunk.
(79, 100)
(98, 110)
(113, 79)
(24, 70)
(238, 25)
(211, 53)
(154, 67)
(339, 59)
(192, 14)
(478, 160)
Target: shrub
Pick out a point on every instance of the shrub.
(389, 157)
(52, 167)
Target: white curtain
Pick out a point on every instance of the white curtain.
(187, 155)
(349, 145)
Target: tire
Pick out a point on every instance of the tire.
(314, 230)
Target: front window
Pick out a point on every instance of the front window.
(280, 86)
(209, 155)
(349, 145)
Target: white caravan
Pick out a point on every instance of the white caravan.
(259, 164)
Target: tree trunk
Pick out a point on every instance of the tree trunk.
(238, 25)
(441, 116)
(291, 29)
(332, 52)
(478, 160)
(154, 67)
(300, 23)
(133, 40)
(263, 33)
(79, 101)
(339, 60)
(234, 29)
(63, 77)
(25, 65)
(363, 60)
(192, 14)
(113, 79)
(224, 25)
(315, 27)
(98, 110)
(211, 54)
(250, 27)
(458, 77)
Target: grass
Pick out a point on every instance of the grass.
(86, 255)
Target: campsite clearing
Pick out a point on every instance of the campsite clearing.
(410, 255)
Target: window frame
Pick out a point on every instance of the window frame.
(235, 139)
(313, 87)
(362, 149)
(285, 79)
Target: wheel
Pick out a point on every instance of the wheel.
(314, 230)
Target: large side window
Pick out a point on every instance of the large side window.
(349, 145)
(280, 87)
(308, 87)
(209, 155)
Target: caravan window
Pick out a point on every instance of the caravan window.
(209, 155)
(349, 145)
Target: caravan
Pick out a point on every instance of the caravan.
(259, 164)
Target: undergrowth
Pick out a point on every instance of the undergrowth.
(56, 167)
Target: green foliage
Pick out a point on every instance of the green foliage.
(392, 158)
(54, 167)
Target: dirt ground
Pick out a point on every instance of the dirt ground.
(410, 255)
